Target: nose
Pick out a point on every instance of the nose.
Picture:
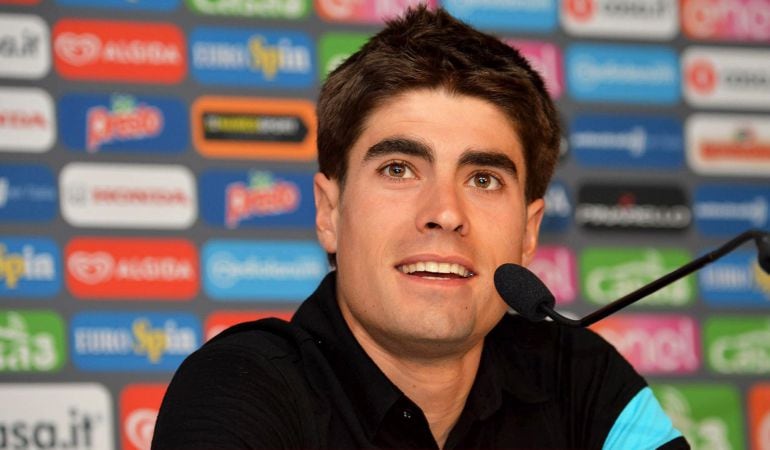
(442, 209)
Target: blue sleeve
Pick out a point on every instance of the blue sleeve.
(641, 425)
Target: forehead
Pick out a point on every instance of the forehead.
(447, 123)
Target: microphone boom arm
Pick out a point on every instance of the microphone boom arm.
(762, 240)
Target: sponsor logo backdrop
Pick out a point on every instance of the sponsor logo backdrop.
(156, 161)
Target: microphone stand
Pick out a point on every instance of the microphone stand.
(761, 238)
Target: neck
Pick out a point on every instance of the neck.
(439, 385)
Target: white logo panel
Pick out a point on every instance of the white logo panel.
(128, 196)
(25, 51)
(642, 19)
(74, 416)
(728, 144)
(27, 121)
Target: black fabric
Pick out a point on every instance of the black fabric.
(308, 384)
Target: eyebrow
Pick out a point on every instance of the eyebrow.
(403, 146)
(411, 147)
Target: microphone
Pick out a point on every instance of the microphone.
(523, 291)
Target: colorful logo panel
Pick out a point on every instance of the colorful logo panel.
(727, 77)
(127, 195)
(334, 48)
(365, 11)
(254, 128)
(151, 5)
(132, 342)
(738, 344)
(257, 199)
(74, 416)
(27, 193)
(131, 52)
(604, 140)
(219, 321)
(511, 15)
(654, 344)
(759, 416)
(726, 20)
(31, 341)
(132, 268)
(256, 58)
(623, 73)
(556, 267)
(735, 280)
(99, 123)
(24, 46)
(610, 273)
(262, 270)
(642, 19)
(546, 59)
(730, 209)
(139, 405)
(558, 208)
(29, 267)
(727, 144)
(276, 9)
(632, 207)
(26, 120)
(708, 415)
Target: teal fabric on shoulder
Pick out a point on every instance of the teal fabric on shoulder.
(642, 425)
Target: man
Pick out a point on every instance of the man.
(436, 144)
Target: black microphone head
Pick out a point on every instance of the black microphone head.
(523, 291)
(763, 252)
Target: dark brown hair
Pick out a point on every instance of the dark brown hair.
(431, 49)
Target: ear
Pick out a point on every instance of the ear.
(535, 211)
(326, 193)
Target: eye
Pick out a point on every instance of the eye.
(486, 181)
(397, 169)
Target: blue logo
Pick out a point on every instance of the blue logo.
(29, 267)
(530, 15)
(27, 193)
(735, 280)
(603, 140)
(262, 270)
(623, 73)
(153, 5)
(730, 209)
(227, 56)
(558, 208)
(135, 341)
(257, 199)
(101, 123)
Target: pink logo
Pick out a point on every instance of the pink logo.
(262, 197)
(365, 11)
(546, 59)
(654, 344)
(556, 267)
(741, 20)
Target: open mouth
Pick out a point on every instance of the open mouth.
(436, 270)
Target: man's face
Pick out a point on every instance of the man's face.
(433, 203)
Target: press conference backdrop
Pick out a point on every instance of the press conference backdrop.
(155, 188)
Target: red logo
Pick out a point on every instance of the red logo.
(221, 320)
(119, 51)
(702, 76)
(264, 196)
(582, 10)
(759, 415)
(139, 405)
(132, 268)
(124, 121)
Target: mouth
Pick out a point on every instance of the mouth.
(434, 270)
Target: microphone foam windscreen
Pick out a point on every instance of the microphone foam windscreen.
(763, 250)
(523, 291)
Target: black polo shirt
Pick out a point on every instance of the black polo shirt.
(309, 384)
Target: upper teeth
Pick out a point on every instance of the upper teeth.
(435, 267)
